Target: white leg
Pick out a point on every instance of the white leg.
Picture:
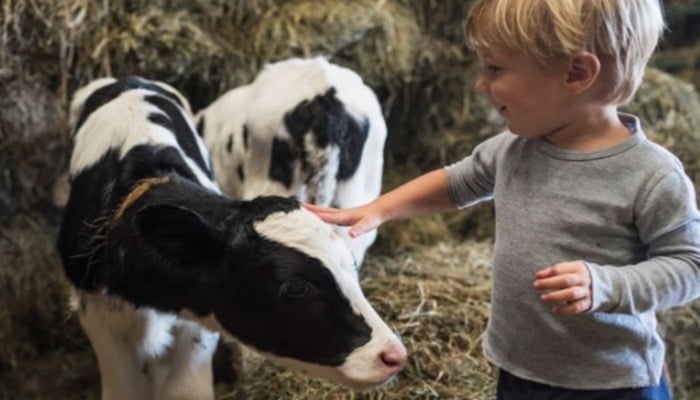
(189, 370)
(107, 324)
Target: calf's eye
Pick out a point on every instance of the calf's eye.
(296, 289)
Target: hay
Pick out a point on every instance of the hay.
(31, 147)
(668, 108)
(378, 38)
(680, 328)
(44, 352)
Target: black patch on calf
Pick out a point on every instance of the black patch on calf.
(240, 172)
(200, 126)
(109, 92)
(79, 238)
(147, 161)
(246, 136)
(95, 194)
(174, 121)
(258, 210)
(324, 116)
(229, 143)
(180, 242)
(310, 115)
(306, 315)
(282, 161)
(184, 236)
(351, 143)
(167, 245)
(331, 124)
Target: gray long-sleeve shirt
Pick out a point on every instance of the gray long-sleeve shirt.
(628, 212)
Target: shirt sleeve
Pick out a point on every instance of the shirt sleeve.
(668, 223)
(472, 179)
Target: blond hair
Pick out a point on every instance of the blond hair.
(621, 33)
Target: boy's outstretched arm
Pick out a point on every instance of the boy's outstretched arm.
(424, 194)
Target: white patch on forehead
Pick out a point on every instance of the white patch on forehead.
(304, 231)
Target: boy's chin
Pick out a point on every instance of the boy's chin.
(524, 133)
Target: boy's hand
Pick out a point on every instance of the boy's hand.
(360, 219)
(567, 286)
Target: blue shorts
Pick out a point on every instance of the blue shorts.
(511, 387)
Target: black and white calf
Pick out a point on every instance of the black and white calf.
(162, 263)
(303, 127)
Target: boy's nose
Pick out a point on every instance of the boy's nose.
(480, 84)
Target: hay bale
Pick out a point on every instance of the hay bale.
(377, 38)
(43, 350)
(32, 146)
(668, 108)
(156, 39)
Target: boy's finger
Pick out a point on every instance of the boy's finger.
(572, 308)
(359, 228)
(336, 218)
(566, 295)
(554, 282)
(317, 208)
(559, 282)
(545, 272)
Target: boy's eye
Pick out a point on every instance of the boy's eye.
(490, 69)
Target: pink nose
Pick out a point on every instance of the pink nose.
(394, 358)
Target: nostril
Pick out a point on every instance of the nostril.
(393, 358)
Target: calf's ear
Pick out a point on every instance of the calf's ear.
(179, 234)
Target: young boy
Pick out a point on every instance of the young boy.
(596, 227)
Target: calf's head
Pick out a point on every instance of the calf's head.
(266, 272)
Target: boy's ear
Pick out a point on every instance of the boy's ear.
(584, 69)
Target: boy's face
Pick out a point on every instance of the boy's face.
(530, 97)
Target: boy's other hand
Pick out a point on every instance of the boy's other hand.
(360, 219)
(567, 286)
